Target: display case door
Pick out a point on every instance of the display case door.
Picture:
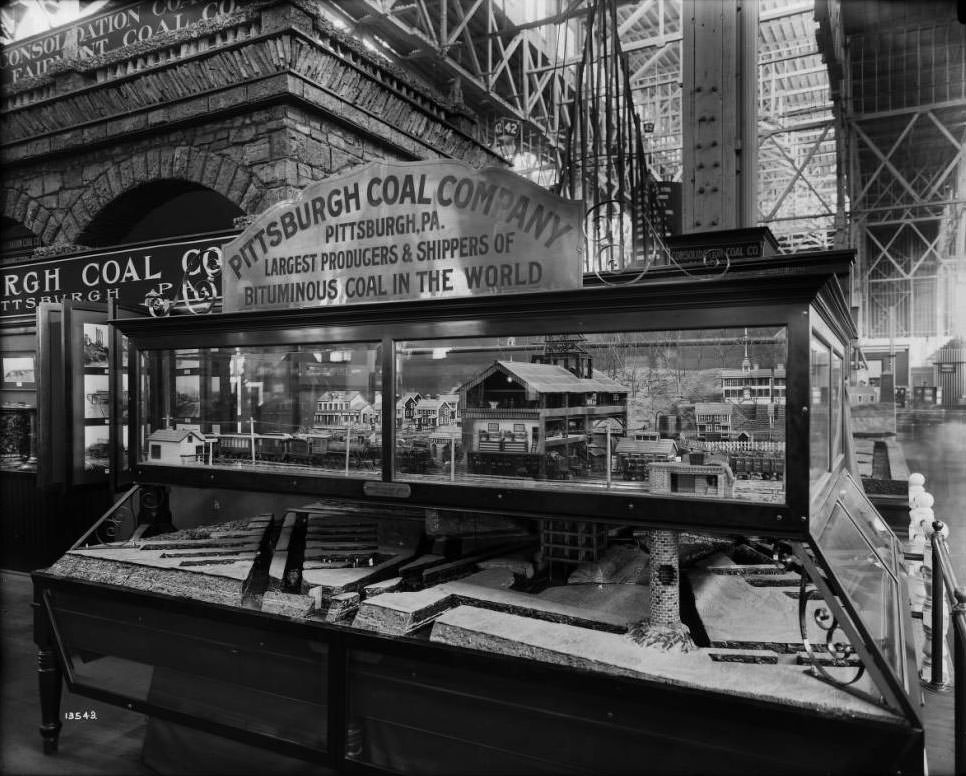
(119, 460)
(82, 404)
(52, 410)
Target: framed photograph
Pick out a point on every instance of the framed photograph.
(95, 345)
(97, 397)
(18, 371)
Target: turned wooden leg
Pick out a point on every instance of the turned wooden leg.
(49, 678)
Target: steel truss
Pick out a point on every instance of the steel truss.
(509, 70)
(520, 61)
(799, 197)
(908, 194)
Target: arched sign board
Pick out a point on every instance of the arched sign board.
(409, 230)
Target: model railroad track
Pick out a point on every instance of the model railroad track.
(774, 634)
(215, 563)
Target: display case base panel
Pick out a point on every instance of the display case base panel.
(406, 573)
(573, 646)
(432, 715)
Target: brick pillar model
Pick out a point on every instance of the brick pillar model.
(665, 597)
(663, 628)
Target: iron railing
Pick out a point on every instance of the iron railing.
(944, 584)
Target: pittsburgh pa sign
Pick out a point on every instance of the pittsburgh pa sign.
(105, 32)
(409, 230)
(170, 270)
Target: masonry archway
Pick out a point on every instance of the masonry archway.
(160, 210)
(151, 179)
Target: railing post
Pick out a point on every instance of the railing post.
(921, 517)
(935, 634)
(958, 616)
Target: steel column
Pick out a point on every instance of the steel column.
(719, 106)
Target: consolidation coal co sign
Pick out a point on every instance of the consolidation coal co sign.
(118, 26)
(411, 230)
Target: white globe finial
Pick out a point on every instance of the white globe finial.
(916, 479)
(914, 492)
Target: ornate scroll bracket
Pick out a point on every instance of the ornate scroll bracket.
(198, 290)
(840, 652)
(714, 264)
(109, 529)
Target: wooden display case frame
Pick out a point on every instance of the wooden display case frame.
(785, 292)
(555, 703)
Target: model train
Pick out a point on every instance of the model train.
(310, 449)
(511, 458)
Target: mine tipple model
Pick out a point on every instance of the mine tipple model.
(535, 419)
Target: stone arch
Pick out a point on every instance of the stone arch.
(194, 165)
(26, 210)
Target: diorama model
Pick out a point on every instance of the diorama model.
(600, 410)
(562, 537)
(501, 585)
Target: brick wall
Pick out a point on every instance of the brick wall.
(255, 109)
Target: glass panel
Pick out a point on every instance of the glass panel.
(123, 431)
(183, 673)
(865, 577)
(17, 435)
(585, 596)
(836, 404)
(690, 413)
(819, 410)
(420, 716)
(308, 408)
(92, 434)
(867, 519)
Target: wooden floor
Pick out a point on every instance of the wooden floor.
(112, 743)
(938, 719)
(109, 745)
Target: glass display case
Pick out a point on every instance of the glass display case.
(606, 401)
(494, 526)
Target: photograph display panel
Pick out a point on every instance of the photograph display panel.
(91, 352)
(691, 413)
(121, 428)
(306, 409)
